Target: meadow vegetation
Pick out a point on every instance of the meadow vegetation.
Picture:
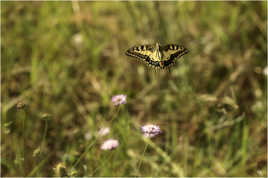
(63, 61)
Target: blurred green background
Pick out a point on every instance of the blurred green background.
(63, 61)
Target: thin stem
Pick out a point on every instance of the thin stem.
(44, 136)
(145, 148)
(23, 147)
(87, 149)
(103, 162)
(114, 114)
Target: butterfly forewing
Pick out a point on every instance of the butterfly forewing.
(141, 51)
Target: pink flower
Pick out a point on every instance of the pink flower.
(109, 144)
(104, 131)
(119, 99)
(150, 130)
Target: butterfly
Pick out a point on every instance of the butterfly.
(157, 56)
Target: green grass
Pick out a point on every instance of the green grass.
(65, 60)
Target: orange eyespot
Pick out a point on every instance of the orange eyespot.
(162, 63)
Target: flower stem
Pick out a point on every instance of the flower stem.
(145, 148)
(114, 113)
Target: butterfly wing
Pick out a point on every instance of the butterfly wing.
(145, 53)
(141, 51)
(170, 52)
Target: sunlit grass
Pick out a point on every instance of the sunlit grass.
(62, 62)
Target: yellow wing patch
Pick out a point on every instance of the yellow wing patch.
(141, 51)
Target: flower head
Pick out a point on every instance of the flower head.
(150, 130)
(103, 131)
(109, 144)
(119, 99)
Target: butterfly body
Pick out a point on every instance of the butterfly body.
(157, 56)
